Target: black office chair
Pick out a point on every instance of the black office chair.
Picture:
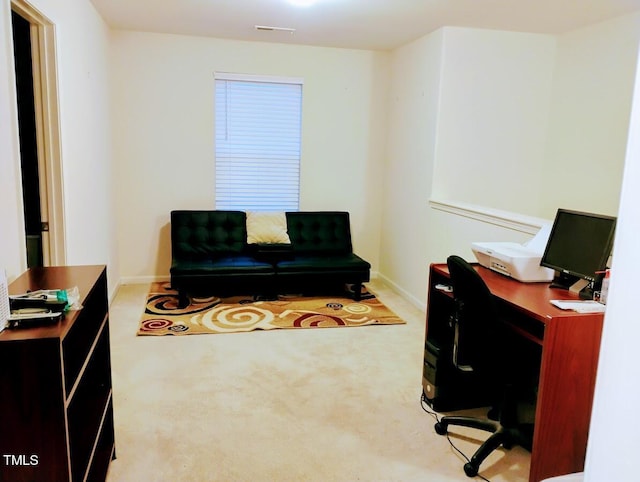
(478, 347)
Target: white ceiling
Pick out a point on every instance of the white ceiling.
(359, 24)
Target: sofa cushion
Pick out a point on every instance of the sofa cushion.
(221, 265)
(322, 232)
(202, 234)
(267, 228)
(318, 264)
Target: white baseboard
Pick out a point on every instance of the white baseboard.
(403, 293)
(113, 291)
(138, 280)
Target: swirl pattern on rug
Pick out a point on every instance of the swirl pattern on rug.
(162, 316)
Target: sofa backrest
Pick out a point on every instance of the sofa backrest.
(319, 231)
(203, 234)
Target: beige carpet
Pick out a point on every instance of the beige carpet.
(242, 313)
(284, 406)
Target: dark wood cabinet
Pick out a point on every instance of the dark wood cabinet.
(56, 407)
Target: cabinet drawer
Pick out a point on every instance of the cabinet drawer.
(81, 336)
(105, 448)
(88, 406)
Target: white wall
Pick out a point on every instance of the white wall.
(164, 134)
(83, 66)
(12, 249)
(591, 102)
(492, 117)
(82, 41)
(495, 138)
(468, 115)
(615, 431)
(413, 118)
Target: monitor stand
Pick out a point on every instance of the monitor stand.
(582, 288)
(579, 286)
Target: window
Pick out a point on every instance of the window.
(258, 127)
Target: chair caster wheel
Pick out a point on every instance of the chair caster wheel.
(470, 470)
(440, 428)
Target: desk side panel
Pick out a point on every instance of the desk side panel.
(567, 382)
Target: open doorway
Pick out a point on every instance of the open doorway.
(37, 106)
(34, 224)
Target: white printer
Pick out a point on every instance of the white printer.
(518, 261)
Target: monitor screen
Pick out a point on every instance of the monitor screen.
(579, 244)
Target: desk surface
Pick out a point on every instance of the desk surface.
(532, 299)
(570, 348)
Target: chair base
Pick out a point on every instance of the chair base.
(501, 435)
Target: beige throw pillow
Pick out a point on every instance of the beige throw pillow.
(267, 227)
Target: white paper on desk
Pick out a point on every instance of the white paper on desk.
(581, 306)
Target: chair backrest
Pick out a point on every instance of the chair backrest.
(476, 341)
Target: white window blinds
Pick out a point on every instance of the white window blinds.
(258, 128)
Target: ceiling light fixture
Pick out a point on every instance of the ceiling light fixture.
(302, 3)
(274, 29)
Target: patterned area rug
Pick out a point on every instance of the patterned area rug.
(227, 315)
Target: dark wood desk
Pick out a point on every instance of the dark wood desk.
(56, 418)
(568, 346)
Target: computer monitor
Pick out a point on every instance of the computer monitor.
(578, 248)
